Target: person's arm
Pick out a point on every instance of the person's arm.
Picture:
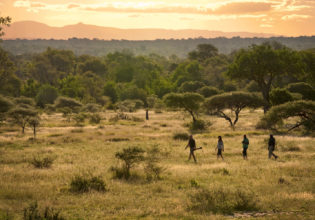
(222, 146)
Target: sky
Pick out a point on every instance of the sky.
(280, 17)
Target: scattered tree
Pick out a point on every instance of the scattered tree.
(235, 102)
(190, 102)
(34, 123)
(21, 116)
(304, 110)
(263, 64)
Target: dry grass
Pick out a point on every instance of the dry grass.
(90, 150)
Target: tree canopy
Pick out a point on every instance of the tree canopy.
(235, 102)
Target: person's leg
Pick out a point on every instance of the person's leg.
(192, 153)
(245, 153)
(189, 156)
(270, 153)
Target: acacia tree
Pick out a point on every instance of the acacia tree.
(303, 109)
(67, 106)
(21, 116)
(34, 123)
(263, 64)
(234, 101)
(5, 105)
(150, 104)
(190, 102)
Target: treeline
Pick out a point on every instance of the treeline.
(206, 78)
(180, 47)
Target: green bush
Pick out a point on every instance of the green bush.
(81, 184)
(80, 118)
(152, 168)
(95, 118)
(42, 162)
(279, 96)
(33, 213)
(198, 125)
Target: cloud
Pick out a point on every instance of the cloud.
(244, 8)
(70, 6)
(266, 25)
(294, 16)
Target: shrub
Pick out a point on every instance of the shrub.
(198, 125)
(194, 183)
(79, 118)
(42, 162)
(81, 184)
(33, 213)
(130, 157)
(222, 201)
(95, 118)
(91, 107)
(152, 168)
(181, 136)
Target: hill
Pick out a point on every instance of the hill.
(37, 30)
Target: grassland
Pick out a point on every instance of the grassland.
(282, 189)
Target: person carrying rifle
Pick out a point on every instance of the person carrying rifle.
(192, 146)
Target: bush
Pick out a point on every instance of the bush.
(198, 125)
(47, 94)
(181, 136)
(33, 213)
(130, 157)
(81, 184)
(91, 107)
(279, 96)
(222, 201)
(80, 118)
(152, 168)
(42, 162)
(95, 118)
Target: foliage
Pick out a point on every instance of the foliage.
(42, 162)
(191, 86)
(65, 102)
(34, 123)
(223, 201)
(304, 110)
(47, 94)
(110, 91)
(306, 90)
(4, 21)
(80, 117)
(190, 102)
(21, 116)
(203, 52)
(33, 213)
(208, 91)
(130, 105)
(279, 96)
(198, 125)
(130, 157)
(91, 107)
(5, 106)
(264, 64)
(95, 118)
(24, 102)
(252, 86)
(81, 184)
(234, 101)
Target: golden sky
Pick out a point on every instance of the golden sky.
(281, 17)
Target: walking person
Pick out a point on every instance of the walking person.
(271, 147)
(192, 146)
(245, 143)
(220, 147)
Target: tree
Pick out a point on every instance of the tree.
(303, 109)
(263, 64)
(208, 91)
(5, 106)
(67, 106)
(306, 90)
(203, 52)
(47, 94)
(4, 21)
(150, 104)
(279, 96)
(191, 86)
(110, 91)
(190, 102)
(21, 116)
(234, 101)
(34, 123)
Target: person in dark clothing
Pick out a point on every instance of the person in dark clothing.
(192, 146)
(271, 147)
(245, 143)
(220, 147)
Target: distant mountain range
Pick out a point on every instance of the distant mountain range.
(37, 30)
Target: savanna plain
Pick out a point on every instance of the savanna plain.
(257, 188)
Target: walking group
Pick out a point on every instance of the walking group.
(220, 147)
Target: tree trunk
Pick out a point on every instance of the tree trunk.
(147, 114)
(34, 131)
